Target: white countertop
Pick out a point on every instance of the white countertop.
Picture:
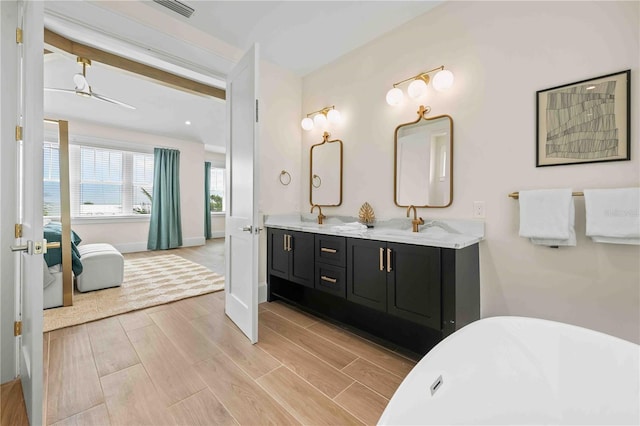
(445, 233)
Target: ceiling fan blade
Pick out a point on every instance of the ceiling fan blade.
(52, 89)
(113, 101)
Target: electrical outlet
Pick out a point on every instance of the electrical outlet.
(478, 209)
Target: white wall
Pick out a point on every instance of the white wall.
(501, 53)
(280, 146)
(132, 236)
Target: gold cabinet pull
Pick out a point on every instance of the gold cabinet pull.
(328, 250)
(289, 242)
(381, 259)
(331, 280)
(389, 260)
(284, 241)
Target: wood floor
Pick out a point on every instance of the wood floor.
(186, 363)
(13, 412)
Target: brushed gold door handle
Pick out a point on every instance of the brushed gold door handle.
(381, 259)
(331, 280)
(36, 247)
(289, 242)
(389, 260)
(284, 242)
(328, 250)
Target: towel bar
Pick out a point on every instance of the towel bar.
(516, 195)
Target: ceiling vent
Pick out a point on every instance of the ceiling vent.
(177, 7)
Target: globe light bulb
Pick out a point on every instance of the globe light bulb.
(394, 96)
(320, 120)
(417, 89)
(334, 116)
(443, 80)
(307, 123)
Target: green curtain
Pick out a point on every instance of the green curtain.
(207, 201)
(165, 229)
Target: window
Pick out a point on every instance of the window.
(142, 182)
(51, 179)
(216, 190)
(104, 182)
(101, 182)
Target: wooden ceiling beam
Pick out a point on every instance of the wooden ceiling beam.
(160, 76)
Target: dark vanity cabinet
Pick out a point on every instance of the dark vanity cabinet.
(413, 283)
(290, 256)
(411, 295)
(367, 276)
(330, 264)
(400, 279)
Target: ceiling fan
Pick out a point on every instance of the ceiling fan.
(82, 86)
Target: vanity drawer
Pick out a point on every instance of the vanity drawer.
(331, 250)
(330, 279)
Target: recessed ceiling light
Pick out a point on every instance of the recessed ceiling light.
(188, 123)
(591, 87)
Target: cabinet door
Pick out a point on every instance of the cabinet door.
(301, 262)
(414, 284)
(277, 254)
(366, 273)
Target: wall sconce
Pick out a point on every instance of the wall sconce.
(320, 118)
(418, 87)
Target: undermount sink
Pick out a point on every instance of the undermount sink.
(312, 226)
(429, 230)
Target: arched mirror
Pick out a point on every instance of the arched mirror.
(325, 176)
(423, 169)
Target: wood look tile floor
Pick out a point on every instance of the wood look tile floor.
(186, 363)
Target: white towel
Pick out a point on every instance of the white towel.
(613, 215)
(547, 217)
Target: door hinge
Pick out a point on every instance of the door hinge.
(18, 133)
(18, 230)
(18, 35)
(17, 328)
(256, 110)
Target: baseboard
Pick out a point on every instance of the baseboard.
(194, 241)
(262, 292)
(131, 247)
(217, 234)
(142, 246)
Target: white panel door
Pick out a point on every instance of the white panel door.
(242, 228)
(29, 178)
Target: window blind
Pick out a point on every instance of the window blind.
(104, 181)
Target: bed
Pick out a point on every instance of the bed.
(52, 273)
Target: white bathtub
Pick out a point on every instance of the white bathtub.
(513, 370)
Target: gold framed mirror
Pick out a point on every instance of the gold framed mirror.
(423, 162)
(325, 172)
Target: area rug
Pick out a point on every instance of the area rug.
(148, 281)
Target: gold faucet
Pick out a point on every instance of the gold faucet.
(320, 215)
(417, 221)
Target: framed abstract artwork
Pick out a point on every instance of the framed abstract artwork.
(584, 122)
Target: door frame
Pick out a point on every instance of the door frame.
(28, 179)
(116, 41)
